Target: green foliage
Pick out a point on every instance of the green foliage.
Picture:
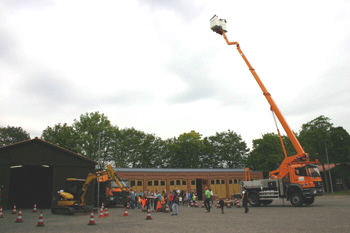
(134, 148)
(339, 151)
(184, 151)
(93, 136)
(62, 135)
(227, 149)
(313, 136)
(95, 131)
(267, 154)
(10, 135)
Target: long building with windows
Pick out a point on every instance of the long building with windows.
(223, 182)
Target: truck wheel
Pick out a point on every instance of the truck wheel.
(296, 199)
(266, 202)
(309, 201)
(254, 199)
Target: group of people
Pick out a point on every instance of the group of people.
(158, 201)
(208, 194)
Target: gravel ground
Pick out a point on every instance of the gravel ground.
(327, 214)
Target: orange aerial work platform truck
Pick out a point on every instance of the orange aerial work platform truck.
(297, 179)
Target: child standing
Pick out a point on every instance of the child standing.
(222, 205)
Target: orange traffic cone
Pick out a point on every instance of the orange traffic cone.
(19, 216)
(126, 212)
(92, 218)
(41, 220)
(106, 213)
(102, 215)
(167, 210)
(1, 214)
(149, 217)
(34, 208)
(14, 210)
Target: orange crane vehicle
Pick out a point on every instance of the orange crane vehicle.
(72, 201)
(297, 178)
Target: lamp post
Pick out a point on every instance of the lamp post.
(329, 168)
(99, 167)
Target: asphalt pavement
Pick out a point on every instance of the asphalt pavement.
(329, 213)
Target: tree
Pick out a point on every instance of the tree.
(266, 154)
(228, 150)
(314, 135)
(184, 151)
(10, 135)
(134, 148)
(62, 135)
(339, 153)
(94, 135)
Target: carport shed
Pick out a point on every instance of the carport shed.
(33, 171)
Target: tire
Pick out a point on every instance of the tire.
(309, 201)
(296, 199)
(266, 202)
(254, 199)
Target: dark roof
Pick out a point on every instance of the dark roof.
(51, 145)
(179, 170)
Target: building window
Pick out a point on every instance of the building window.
(184, 182)
(156, 183)
(172, 182)
(162, 183)
(178, 182)
(212, 182)
(139, 183)
(132, 183)
(217, 181)
(338, 181)
(149, 183)
(235, 181)
(230, 181)
(222, 181)
(193, 182)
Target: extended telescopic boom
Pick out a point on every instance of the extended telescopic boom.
(219, 26)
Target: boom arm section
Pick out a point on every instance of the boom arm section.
(300, 151)
(112, 174)
(94, 176)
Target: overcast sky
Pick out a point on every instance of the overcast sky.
(155, 65)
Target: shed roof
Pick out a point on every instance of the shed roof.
(179, 170)
(40, 141)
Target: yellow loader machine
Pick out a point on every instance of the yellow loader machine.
(73, 200)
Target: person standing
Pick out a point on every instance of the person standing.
(170, 200)
(245, 199)
(222, 205)
(175, 206)
(207, 199)
(133, 197)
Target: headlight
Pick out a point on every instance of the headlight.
(314, 191)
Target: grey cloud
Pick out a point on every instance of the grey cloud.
(47, 87)
(7, 47)
(18, 4)
(128, 98)
(187, 9)
(199, 84)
